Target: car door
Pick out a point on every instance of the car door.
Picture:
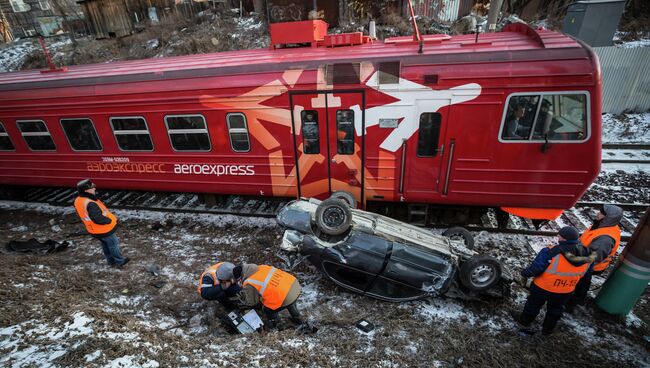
(412, 272)
(356, 262)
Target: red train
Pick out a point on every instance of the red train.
(509, 119)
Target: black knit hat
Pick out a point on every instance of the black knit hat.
(84, 185)
(236, 272)
(569, 233)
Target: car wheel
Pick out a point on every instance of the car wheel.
(458, 233)
(480, 273)
(347, 197)
(333, 216)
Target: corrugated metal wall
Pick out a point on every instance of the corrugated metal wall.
(626, 78)
(447, 10)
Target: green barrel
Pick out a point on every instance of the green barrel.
(624, 286)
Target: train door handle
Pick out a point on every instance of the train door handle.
(333, 160)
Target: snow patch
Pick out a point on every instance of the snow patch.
(445, 310)
(93, 356)
(132, 361)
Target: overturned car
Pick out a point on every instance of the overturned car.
(384, 258)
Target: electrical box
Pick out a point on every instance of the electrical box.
(306, 31)
(595, 21)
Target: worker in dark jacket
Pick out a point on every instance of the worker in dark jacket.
(99, 222)
(275, 289)
(554, 280)
(211, 285)
(603, 239)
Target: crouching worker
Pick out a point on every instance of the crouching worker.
(216, 284)
(275, 289)
(554, 280)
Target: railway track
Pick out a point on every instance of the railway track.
(626, 146)
(580, 216)
(625, 161)
(626, 153)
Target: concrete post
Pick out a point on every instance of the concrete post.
(493, 14)
(630, 278)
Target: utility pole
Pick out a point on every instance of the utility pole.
(493, 14)
(629, 280)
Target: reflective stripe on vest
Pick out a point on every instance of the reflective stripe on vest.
(272, 284)
(81, 206)
(560, 276)
(612, 231)
(212, 271)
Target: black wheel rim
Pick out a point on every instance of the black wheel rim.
(333, 217)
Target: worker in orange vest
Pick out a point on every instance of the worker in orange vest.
(554, 280)
(603, 239)
(99, 222)
(211, 285)
(275, 289)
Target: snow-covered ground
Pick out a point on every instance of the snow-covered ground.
(626, 128)
(641, 40)
(13, 55)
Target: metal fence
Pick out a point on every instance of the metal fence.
(626, 78)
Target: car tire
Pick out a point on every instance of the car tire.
(480, 273)
(333, 216)
(458, 233)
(347, 197)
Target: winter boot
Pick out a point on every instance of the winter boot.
(272, 324)
(521, 318)
(549, 324)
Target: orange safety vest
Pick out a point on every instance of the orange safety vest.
(612, 231)
(81, 205)
(212, 271)
(273, 285)
(560, 276)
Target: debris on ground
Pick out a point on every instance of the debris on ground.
(35, 246)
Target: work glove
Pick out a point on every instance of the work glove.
(524, 282)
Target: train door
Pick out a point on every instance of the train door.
(424, 152)
(327, 142)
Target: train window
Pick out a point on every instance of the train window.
(36, 135)
(188, 133)
(345, 132)
(238, 132)
(520, 117)
(344, 73)
(81, 134)
(562, 117)
(131, 133)
(388, 72)
(546, 116)
(310, 136)
(428, 134)
(5, 142)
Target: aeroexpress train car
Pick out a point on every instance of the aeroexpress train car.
(509, 119)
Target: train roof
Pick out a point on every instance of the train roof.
(516, 42)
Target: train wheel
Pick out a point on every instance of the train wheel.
(333, 216)
(347, 197)
(459, 234)
(480, 273)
